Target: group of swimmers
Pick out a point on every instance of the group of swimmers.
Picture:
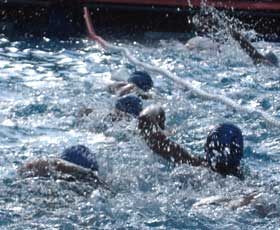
(223, 146)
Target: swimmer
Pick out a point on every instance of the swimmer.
(269, 59)
(139, 82)
(223, 147)
(125, 107)
(76, 163)
(214, 23)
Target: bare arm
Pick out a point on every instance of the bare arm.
(230, 202)
(168, 149)
(162, 145)
(116, 86)
(246, 46)
(70, 169)
(60, 169)
(40, 167)
(244, 201)
(53, 167)
(130, 88)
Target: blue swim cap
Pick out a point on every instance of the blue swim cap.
(80, 155)
(129, 104)
(142, 80)
(224, 148)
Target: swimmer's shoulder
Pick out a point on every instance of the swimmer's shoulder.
(36, 167)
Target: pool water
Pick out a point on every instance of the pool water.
(45, 82)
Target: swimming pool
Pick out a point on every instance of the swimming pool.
(45, 82)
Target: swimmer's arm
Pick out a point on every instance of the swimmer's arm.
(79, 173)
(150, 125)
(244, 201)
(64, 170)
(166, 148)
(48, 167)
(69, 168)
(128, 88)
(115, 87)
(252, 52)
(40, 167)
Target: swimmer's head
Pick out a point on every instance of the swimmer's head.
(129, 104)
(272, 58)
(152, 115)
(142, 80)
(224, 148)
(80, 155)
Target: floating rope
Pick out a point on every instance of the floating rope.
(182, 82)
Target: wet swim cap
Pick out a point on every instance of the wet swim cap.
(142, 80)
(129, 104)
(224, 148)
(272, 58)
(80, 155)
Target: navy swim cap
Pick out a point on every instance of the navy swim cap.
(224, 148)
(272, 58)
(129, 104)
(80, 155)
(142, 80)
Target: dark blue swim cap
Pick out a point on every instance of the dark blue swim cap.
(224, 148)
(80, 155)
(142, 80)
(129, 104)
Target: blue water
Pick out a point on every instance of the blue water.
(45, 82)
